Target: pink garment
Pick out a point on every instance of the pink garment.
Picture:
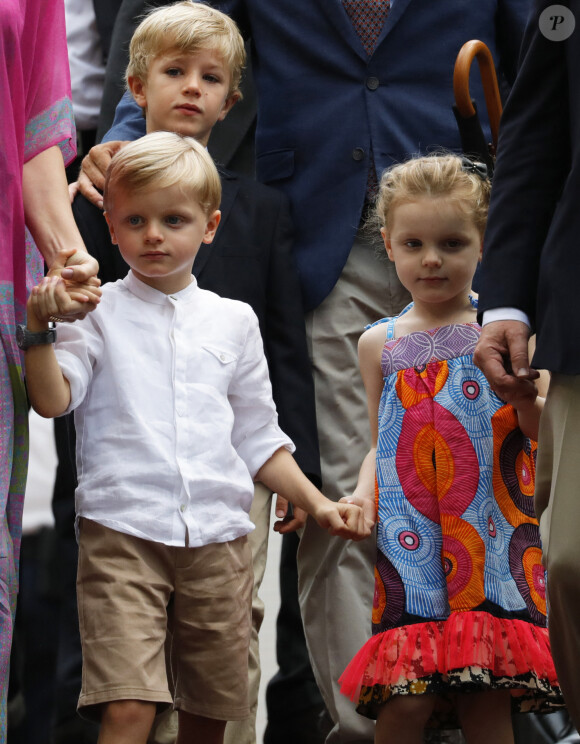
(35, 114)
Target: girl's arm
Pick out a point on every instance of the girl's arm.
(48, 389)
(282, 475)
(529, 403)
(370, 347)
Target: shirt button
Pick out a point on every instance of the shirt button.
(182, 508)
(358, 153)
(373, 83)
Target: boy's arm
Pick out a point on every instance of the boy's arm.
(48, 389)
(281, 474)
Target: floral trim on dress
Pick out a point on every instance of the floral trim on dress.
(53, 126)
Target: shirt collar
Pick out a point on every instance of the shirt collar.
(149, 294)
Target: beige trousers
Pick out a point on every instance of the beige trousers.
(336, 581)
(557, 504)
(238, 732)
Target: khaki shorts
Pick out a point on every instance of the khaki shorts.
(132, 591)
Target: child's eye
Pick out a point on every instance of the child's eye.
(174, 219)
(173, 71)
(412, 243)
(211, 78)
(134, 219)
(453, 245)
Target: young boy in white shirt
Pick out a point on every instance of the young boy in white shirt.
(174, 419)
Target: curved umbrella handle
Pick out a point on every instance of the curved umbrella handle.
(467, 53)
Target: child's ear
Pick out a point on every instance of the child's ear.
(212, 225)
(137, 88)
(229, 103)
(481, 250)
(111, 229)
(387, 243)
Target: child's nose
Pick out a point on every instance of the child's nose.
(153, 234)
(431, 257)
(192, 84)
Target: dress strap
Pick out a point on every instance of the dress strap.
(390, 322)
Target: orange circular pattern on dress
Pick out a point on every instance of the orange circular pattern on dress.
(463, 559)
(524, 469)
(379, 599)
(534, 573)
(436, 461)
(415, 385)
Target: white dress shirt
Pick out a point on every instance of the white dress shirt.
(173, 412)
(85, 56)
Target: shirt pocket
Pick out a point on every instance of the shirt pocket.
(219, 366)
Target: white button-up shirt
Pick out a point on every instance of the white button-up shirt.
(173, 412)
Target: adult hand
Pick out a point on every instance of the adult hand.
(83, 293)
(502, 356)
(289, 520)
(91, 180)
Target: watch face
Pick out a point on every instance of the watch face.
(20, 336)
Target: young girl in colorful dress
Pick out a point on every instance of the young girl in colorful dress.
(459, 616)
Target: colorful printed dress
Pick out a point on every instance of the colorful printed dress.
(35, 114)
(460, 596)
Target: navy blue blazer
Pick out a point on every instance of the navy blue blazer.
(532, 244)
(323, 104)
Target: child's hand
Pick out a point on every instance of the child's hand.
(45, 300)
(366, 504)
(342, 519)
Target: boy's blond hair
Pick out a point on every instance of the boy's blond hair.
(163, 159)
(437, 175)
(187, 27)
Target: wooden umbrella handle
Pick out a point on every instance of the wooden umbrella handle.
(467, 53)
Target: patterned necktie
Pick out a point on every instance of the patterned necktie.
(368, 18)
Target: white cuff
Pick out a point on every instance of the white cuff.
(505, 313)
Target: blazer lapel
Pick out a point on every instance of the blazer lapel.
(397, 10)
(337, 15)
(230, 187)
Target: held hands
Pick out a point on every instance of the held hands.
(71, 288)
(502, 356)
(290, 518)
(346, 520)
(366, 504)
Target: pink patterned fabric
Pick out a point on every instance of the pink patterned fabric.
(35, 114)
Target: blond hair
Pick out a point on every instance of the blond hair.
(437, 175)
(187, 27)
(163, 159)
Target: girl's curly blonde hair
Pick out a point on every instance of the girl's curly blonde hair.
(440, 175)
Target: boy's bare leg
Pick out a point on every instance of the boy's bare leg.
(199, 730)
(126, 722)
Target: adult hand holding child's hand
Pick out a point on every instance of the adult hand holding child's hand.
(80, 292)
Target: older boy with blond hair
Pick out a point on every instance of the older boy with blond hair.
(165, 488)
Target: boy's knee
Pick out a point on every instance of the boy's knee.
(128, 714)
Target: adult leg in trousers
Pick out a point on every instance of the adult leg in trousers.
(296, 711)
(558, 508)
(336, 581)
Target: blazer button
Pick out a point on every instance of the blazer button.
(358, 153)
(373, 83)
